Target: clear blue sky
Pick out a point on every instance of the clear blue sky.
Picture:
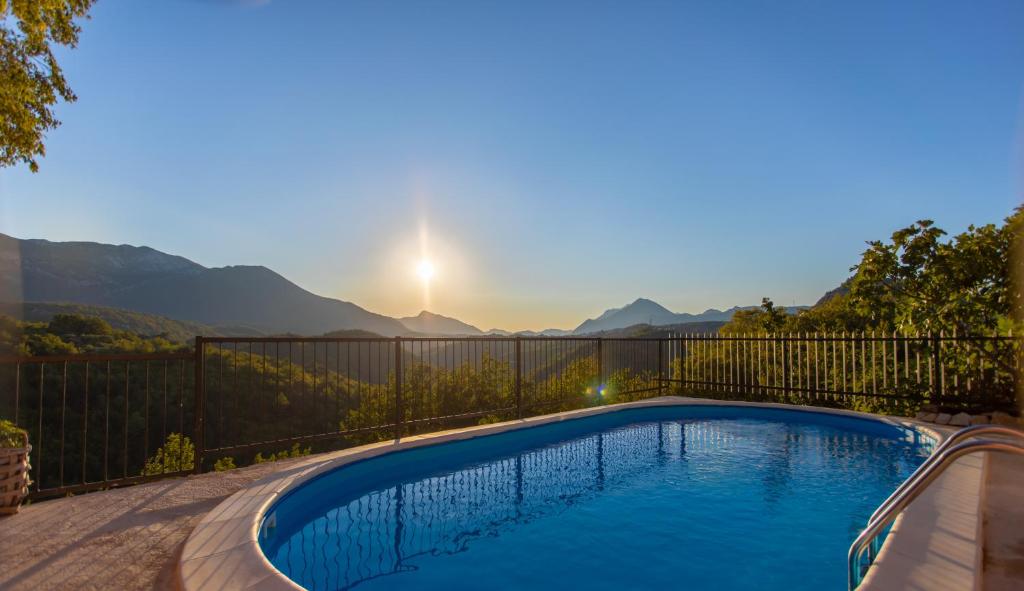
(552, 158)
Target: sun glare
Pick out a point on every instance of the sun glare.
(425, 270)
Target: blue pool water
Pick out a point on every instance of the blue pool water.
(678, 497)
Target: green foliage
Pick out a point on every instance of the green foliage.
(175, 455)
(766, 319)
(138, 323)
(919, 281)
(73, 333)
(31, 80)
(224, 464)
(916, 282)
(11, 435)
(295, 452)
(74, 325)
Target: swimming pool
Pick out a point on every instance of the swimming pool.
(676, 496)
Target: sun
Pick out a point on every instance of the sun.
(425, 270)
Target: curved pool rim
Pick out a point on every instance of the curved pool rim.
(223, 551)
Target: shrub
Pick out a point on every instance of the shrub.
(176, 455)
(224, 464)
(11, 435)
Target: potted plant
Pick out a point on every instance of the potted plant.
(14, 466)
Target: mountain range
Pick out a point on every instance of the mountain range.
(142, 279)
(236, 300)
(644, 311)
(430, 323)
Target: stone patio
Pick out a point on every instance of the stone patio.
(127, 538)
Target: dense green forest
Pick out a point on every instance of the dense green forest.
(105, 420)
(139, 323)
(66, 334)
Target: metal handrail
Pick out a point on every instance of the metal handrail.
(952, 440)
(911, 492)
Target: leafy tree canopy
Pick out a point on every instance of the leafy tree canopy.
(31, 80)
(918, 281)
(71, 324)
(73, 333)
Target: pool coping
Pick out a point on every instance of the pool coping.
(223, 551)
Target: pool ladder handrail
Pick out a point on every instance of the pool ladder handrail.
(943, 456)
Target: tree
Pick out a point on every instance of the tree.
(31, 80)
(768, 318)
(919, 281)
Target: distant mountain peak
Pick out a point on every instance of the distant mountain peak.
(143, 279)
(430, 323)
(645, 304)
(649, 312)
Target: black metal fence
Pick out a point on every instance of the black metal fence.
(97, 421)
(94, 420)
(870, 371)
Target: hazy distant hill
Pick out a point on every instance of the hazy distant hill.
(434, 324)
(547, 332)
(843, 289)
(135, 322)
(146, 280)
(644, 311)
(646, 330)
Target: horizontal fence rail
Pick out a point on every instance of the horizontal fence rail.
(98, 421)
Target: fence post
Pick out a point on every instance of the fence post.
(519, 377)
(600, 364)
(398, 388)
(199, 403)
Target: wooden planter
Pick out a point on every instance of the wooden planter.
(14, 480)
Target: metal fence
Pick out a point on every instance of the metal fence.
(97, 421)
(94, 420)
(872, 371)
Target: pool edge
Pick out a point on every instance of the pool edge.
(223, 551)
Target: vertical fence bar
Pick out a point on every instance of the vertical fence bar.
(398, 387)
(874, 370)
(199, 406)
(800, 364)
(661, 364)
(940, 367)
(63, 412)
(933, 368)
(786, 350)
(124, 430)
(85, 422)
(519, 373)
(17, 391)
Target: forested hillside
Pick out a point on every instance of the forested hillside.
(67, 334)
(144, 325)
